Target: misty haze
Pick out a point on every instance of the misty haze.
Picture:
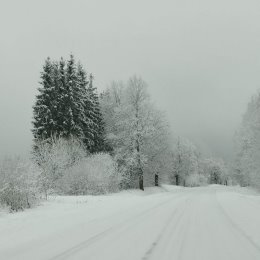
(130, 130)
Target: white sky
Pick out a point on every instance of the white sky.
(201, 58)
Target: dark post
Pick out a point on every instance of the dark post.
(156, 179)
(141, 182)
(177, 179)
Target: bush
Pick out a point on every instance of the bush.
(196, 180)
(54, 156)
(18, 189)
(96, 174)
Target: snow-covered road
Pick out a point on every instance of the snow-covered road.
(184, 224)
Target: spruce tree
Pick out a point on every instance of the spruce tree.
(85, 115)
(62, 98)
(72, 102)
(56, 99)
(68, 105)
(44, 123)
(96, 117)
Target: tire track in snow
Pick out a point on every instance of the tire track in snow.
(173, 219)
(186, 226)
(125, 224)
(235, 227)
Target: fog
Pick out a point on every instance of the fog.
(201, 59)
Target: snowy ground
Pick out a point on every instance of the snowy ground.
(172, 223)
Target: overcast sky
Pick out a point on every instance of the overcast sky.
(200, 58)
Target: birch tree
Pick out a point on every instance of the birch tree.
(135, 129)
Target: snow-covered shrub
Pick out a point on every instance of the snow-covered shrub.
(196, 180)
(54, 157)
(18, 184)
(95, 174)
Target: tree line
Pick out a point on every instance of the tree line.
(87, 142)
(122, 120)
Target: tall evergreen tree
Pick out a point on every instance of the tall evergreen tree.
(67, 105)
(96, 116)
(43, 123)
(62, 98)
(56, 98)
(85, 115)
(70, 126)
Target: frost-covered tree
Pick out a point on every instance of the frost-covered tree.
(185, 161)
(247, 163)
(190, 168)
(215, 170)
(135, 130)
(157, 147)
(111, 99)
